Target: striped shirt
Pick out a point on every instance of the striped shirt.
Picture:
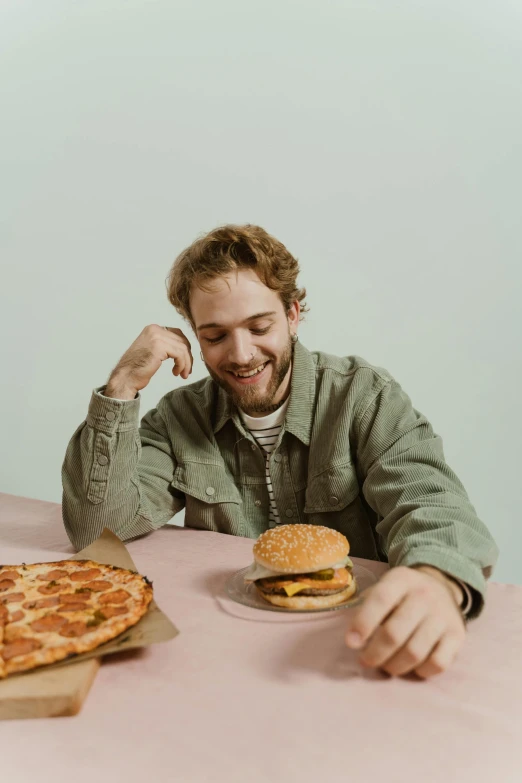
(265, 430)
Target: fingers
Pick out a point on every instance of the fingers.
(178, 333)
(394, 633)
(442, 656)
(182, 364)
(378, 602)
(415, 650)
(177, 347)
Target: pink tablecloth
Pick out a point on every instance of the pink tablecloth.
(233, 699)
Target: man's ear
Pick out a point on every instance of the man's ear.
(293, 316)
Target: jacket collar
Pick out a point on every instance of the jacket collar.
(301, 407)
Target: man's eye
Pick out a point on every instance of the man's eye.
(260, 331)
(213, 340)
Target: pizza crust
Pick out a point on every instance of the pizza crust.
(71, 605)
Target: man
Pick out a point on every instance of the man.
(277, 434)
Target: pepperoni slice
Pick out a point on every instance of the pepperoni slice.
(99, 587)
(50, 589)
(12, 598)
(70, 607)
(111, 611)
(51, 622)
(20, 647)
(84, 576)
(116, 597)
(72, 598)
(42, 603)
(16, 616)
(9, 575)
(6, 584)
(74, 629)
(52, 575)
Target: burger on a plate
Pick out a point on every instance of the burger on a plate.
(302, 567)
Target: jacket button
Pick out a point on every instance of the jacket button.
(278, 458)
(333, 500)
(253, 447)
(289, 512)
(257, 503)
(210, 490)
(102, 459)
(110, 415)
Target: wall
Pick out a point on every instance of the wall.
(380, 142)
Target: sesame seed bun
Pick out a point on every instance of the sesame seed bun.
(306, 602)
(297, 549)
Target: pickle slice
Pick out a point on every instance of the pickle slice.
(324, 575)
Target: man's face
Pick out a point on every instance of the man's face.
(242, 328)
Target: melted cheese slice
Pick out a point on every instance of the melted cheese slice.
(294, 588)
(257, 571)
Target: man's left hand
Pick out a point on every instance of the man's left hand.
(409, 621)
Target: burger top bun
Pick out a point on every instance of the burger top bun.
(296, 549)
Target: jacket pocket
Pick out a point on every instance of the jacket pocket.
(212, 500)
(207, 482)
(333, 499)
(331, 490)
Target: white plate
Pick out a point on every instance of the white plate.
(247, 594)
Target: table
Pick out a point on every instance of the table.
(255, 701)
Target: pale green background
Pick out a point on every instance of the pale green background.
(380, 141)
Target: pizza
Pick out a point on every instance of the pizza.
(50, 611)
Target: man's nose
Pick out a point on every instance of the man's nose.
(241, 351)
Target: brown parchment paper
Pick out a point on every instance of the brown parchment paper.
(153, 627)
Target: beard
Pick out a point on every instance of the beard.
(250, 400)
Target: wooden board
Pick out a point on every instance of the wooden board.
(61, 689)
(47, 694)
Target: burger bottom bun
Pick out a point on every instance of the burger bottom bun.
(305, 602)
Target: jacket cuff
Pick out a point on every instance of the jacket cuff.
(456, 566)
(467, 603)
(109, 415)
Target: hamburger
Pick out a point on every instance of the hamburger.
(302, 567)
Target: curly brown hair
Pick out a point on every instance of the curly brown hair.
(226, 249)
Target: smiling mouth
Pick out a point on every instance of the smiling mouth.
(250, 373)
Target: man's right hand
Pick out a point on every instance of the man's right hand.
(144, 358)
